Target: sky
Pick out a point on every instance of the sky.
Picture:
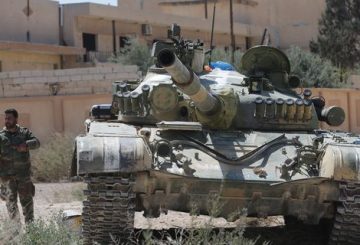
(112, 2)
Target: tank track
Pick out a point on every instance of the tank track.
(109, 209)
(346, 225)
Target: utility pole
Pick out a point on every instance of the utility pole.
(113, 25)
(212, 32)
(206, 8)
(232, 32)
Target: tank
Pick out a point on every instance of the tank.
(183, 134)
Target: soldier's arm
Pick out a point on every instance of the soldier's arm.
(31, 141)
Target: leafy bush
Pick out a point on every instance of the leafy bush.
(39, 232)
(135, 53)
(52, 231)
(314, 70)
(52, 161)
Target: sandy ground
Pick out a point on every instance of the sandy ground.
(52, 198)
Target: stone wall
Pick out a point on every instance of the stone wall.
(96, 80)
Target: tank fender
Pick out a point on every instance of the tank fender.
(107, 154)
(341, 162)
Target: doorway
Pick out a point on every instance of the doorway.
(89, 43)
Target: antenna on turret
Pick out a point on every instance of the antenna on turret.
(265, 40)
(212, 32)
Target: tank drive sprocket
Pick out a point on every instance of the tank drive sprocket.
(109, 209)
(346, 223)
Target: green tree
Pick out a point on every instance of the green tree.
(313, 70)
(339, 33)
(135, 53)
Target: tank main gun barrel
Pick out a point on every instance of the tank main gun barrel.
(189, 83)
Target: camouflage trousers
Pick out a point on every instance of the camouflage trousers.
(11, 187)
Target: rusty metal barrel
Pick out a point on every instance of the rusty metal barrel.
(188, 82)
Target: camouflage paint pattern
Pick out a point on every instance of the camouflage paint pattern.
(15, 172)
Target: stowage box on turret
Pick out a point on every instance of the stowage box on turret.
(182, 134)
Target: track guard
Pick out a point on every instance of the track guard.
(119, 151)
(341, 162)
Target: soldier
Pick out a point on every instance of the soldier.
(15, 143)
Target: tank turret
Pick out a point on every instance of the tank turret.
(177, 89)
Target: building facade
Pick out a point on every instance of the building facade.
(30, 36)
(103, 30)
(43, 35)
(288, 22)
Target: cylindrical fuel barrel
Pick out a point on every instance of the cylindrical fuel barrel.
(279, 108)
(188, 82)
(270, 108)
(333, 115)
(290, 109)
(260, 107)
(299, 115)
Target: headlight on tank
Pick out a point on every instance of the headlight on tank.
(163, 97)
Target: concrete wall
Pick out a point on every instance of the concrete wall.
(139, 4)
(72, 37)
(354, 81)
(49, 114)
(13, 61)
(42, 24)
(94, 80)
(291, 22)
(42, 50)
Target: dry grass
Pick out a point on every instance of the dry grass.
(206, 235)
(40, 232)
(195, 236)
(52, 161)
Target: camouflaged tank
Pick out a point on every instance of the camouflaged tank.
(182, 135)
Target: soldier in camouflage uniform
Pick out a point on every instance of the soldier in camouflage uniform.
(15, 143)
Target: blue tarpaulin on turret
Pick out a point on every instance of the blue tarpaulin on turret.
(222, 66)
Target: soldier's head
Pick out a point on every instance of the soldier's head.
(11, 118)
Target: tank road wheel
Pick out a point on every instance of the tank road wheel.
(109, 209)
(346, 224)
